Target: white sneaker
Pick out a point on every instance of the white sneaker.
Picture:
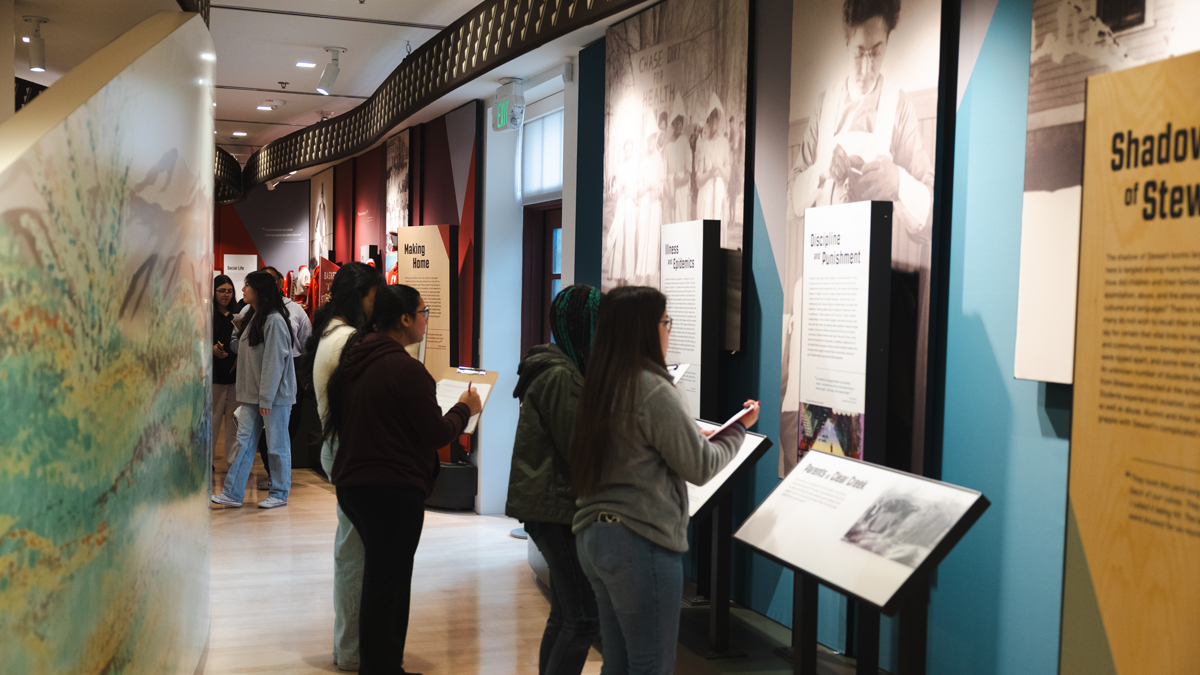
(225, 501)
(264, 484)
(271, 503)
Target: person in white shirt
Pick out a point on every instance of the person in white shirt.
(351, 301)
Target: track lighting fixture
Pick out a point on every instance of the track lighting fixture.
(329, 75)
(37, 46)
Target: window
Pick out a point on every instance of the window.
(542, 156)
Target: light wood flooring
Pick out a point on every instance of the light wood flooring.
(475, 607)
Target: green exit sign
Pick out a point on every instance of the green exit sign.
(502, 111)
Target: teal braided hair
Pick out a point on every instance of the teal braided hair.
(573, 321)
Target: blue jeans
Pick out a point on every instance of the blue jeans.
(279, 448)
(638, 587)
(574, 620)
(348, 557)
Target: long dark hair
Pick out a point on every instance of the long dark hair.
(350, 285)
(391, 304)
(269, 301)
(627, 341)
(573, 322)
(219, 281)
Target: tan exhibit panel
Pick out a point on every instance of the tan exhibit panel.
(1132, 592)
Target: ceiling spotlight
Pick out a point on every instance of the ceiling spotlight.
(291, 173)
(25, 40)
(305, 64)
(239, 134)
(265, 107)
(37, 46)
(329, 75)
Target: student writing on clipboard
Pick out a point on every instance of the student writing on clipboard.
(384, 412)
(635, 443)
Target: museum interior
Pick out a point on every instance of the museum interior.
(843, 336)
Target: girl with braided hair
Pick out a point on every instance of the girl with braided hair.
(539, 489)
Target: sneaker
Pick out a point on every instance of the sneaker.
(271, 503)
(264, 484)
(225, 501)
(347, 667)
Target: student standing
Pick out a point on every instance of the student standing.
(351, 301)
(266, 388)
(383, 409)
(539, 489)
(634, 446)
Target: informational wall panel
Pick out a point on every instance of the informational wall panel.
(683, 284)
(423, 262)
(1135, 440)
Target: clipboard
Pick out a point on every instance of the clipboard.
(475, 377)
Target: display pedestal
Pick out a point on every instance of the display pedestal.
(455, 487)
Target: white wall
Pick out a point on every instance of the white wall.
(500, 312)
(570, 145)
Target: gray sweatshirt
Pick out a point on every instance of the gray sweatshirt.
(644, 482)
(265, 376)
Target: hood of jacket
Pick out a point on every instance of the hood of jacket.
(538, 360)
(367, 352)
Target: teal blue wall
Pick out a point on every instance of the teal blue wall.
(995, 608)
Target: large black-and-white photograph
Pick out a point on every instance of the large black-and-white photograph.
(675, 130)
(1073, 40)
(320, 217)
(904, 524)
(396, 198)
(863, 127)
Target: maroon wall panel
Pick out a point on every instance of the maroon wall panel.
(343, 212)
(370, 190)
(230, 237)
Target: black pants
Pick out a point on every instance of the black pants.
(574, 620)
(389, 520)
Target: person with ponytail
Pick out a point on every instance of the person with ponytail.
(351, 301)
(382, 407)
(539, 489)
(635, 444)
(266, 388)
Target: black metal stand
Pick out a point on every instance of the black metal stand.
(914, 635)
(867, 620)
(804, 624)
(719, 555)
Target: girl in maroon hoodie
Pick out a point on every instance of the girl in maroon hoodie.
(383, 409)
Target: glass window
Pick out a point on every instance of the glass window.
(556, 266)
(542, 155)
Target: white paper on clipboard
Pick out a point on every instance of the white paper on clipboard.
(449, 391)
(677, 371)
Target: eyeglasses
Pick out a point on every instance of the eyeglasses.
(667, 322)
(874, 52)
(424, 312)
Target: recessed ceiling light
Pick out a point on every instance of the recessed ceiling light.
(25, 40)
(239, 133)
(301, 64)
(291, 173)
(214, 104)
(265, 107)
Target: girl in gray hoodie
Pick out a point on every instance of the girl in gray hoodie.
(635, 444)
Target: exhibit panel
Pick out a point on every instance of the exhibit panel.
(863, 529)
(320, 217)
(674, 130)
(864, 101)
(1134, 490)
(751, 449)
(845, 313)
(424, 263)
(106, 241)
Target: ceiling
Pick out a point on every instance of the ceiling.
(256, 51)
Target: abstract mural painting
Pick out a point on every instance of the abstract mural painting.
(105, 280)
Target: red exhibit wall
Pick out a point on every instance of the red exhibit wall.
(370, 190)
(230, 237)
(343, 212)
(447, 191)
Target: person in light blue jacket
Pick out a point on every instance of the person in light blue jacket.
(266, 390)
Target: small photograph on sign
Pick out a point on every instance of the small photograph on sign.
(904, 525)
(827, 430)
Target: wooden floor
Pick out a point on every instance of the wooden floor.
(475, 609)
